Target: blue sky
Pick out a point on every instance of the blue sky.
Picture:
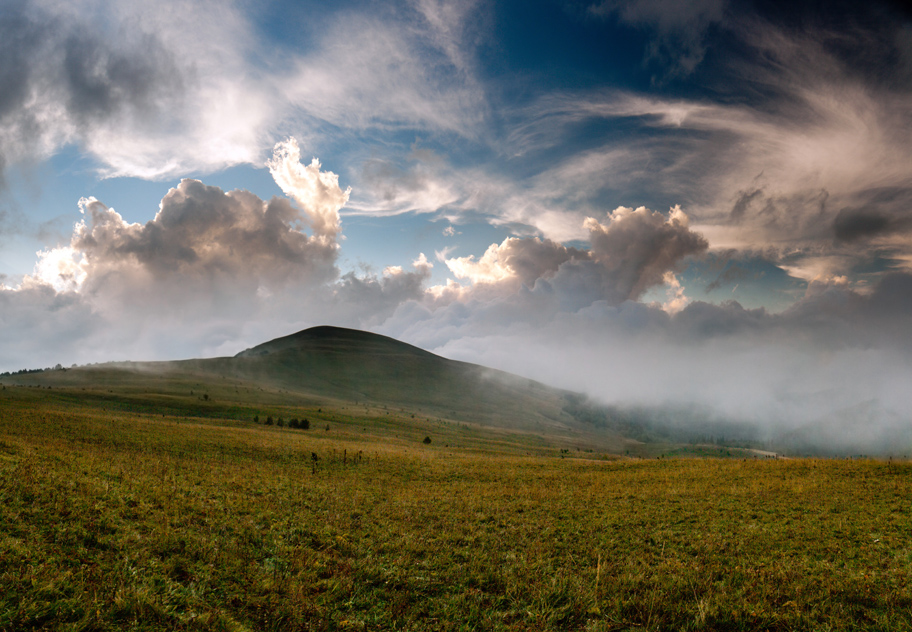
(585, 192)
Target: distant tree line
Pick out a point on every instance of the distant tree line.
(298, 424)
(58, 367)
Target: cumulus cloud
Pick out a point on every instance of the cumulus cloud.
(201, 232)
(368, 300)
(635, 250)
(180, 285)
(207, 266)
(638, 247)
(317, 192)
(522, 260)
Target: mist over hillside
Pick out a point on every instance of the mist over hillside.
(357, 369)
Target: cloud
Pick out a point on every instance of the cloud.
(813, 151)
(207, 267)
(316, 191)
(522, 260)
(405, 74)
(201, 233)
(638, 247)
(144, 95)
(40, 327)
(212, 273)
(367, 301)
(631, 253)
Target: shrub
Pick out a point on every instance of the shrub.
(305, 425)
(269, 420)
(427, 441)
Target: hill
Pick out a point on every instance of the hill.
(331, 373)
(366, 375)
(358, 366)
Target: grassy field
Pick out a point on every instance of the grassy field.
(121, 515)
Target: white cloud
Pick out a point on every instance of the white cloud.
(396, 77)
(210, 265)
(317, 192)
(676, 299)
(147, 93)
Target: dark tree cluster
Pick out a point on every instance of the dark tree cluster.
(297, 424)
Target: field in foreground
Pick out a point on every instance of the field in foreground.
(113, 520)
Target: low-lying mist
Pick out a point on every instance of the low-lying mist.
(834, 385)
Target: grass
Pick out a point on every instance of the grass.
(117, 518)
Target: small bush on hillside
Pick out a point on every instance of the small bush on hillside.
(305, 425)
(427, 441)
(269, 420)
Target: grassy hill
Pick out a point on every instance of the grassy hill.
(367, 368)
(340, 375)
(331, 374)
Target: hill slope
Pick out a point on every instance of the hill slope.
(358, 366)
(334, 368)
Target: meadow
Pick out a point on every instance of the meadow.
(121, 516)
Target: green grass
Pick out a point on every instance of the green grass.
(114, 517)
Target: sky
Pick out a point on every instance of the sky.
(704, 203)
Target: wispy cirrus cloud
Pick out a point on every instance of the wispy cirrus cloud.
(402, 75)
